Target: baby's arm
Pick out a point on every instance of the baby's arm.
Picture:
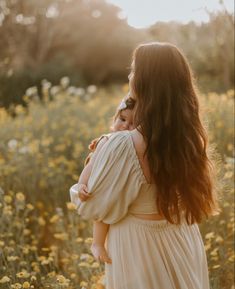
(100, 229)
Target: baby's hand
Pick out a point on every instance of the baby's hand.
(83, 195)
(93, 144)
(100, 253)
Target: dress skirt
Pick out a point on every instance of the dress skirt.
(152, 254)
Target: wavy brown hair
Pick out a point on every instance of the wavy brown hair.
(167, 115)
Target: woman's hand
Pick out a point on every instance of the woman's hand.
(83, 194)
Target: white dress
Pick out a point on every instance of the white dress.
(146, 254)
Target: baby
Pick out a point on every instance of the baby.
(122, 120)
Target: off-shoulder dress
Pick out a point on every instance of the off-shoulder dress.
(146, 254)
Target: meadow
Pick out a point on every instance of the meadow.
(43, 242)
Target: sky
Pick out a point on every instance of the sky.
(143, 13)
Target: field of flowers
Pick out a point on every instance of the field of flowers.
(43, 242)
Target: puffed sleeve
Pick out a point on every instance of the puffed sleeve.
(115, 180)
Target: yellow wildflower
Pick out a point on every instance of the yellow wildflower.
(45, 249)
(26, 285)
(30, 206)
(26, 232)
(71, 206)
(79, 240)
(210, 235)
(5, 279)
(20, 197)
(54, 219)
(12, 243)
(89, 240)
(33, 278)
(231, 258)
(16, 286)
(83, 264)
(64, 260)
(228, 175)
(62, 280)
(23, 263)
(61, 236)
(219, 239)
(26, 250)
(73, 276)
(23, 274)
(95, 265)
(33, 248)
(214, 252)
(42, 258)
(12, 258)
(83, 284)
(7, 211)
(41, 221)
(8, 199)
(51, 274)
(36, 269)
(45, 262)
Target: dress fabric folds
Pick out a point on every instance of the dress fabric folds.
(146, 254)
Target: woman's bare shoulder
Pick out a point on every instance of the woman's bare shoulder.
(140, 147)
(138, 141)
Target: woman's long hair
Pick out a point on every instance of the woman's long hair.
(167, 115)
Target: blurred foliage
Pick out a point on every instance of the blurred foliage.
(89, 41)
(209, 48)
(41, 250)
(218, 116)
(43, 243)
(49, 139)
(51, 38)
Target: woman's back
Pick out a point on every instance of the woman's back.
(148, 192)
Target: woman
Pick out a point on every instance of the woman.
(155, 183)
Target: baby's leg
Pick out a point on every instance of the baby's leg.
(100, 231)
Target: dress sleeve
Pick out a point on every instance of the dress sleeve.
(114, 182)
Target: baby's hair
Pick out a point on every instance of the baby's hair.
(128, 103)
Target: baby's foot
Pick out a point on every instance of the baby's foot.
(100, 253)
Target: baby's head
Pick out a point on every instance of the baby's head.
(123, 118)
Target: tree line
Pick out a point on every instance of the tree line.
(90, 41)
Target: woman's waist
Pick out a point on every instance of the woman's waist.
(149, 216)
(148, 212)
(143, 208)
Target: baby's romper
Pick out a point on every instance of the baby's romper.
(146, 254)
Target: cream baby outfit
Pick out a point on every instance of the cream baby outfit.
(146, 254)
